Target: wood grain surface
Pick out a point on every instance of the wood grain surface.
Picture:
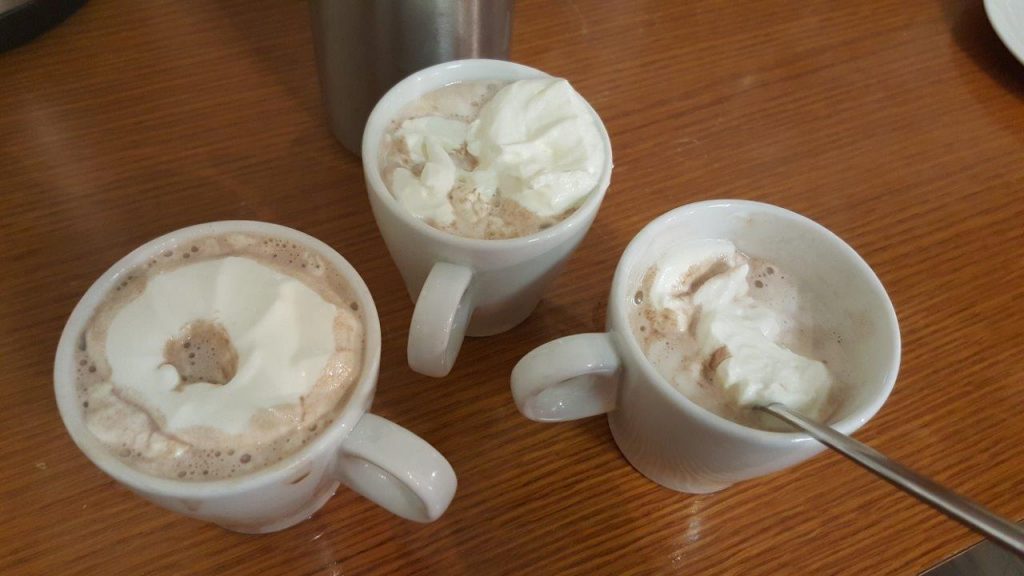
(898, 124)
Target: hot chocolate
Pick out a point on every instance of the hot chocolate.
(219, 357)
(494, 160)
(732, 332)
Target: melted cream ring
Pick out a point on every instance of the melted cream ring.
(281, 329)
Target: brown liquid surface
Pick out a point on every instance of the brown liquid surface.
(202, 352)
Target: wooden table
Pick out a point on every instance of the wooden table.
(898, 124)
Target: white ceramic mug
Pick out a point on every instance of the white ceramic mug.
(384, 462)
(663, 434)
(463, 285)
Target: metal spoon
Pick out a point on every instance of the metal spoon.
(974, 515)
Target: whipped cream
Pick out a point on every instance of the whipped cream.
(282, 331)
(534, 142)
(706, 329)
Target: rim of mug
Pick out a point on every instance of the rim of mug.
(339, 428)
(381, 116)
(619, 296)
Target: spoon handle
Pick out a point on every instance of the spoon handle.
(945, 500)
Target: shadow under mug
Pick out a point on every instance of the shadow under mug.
(380, 460)
(662, 433)
(466, 286)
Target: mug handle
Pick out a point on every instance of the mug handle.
(439, 320)
(395, 469)
(567, 379)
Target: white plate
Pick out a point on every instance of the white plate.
(1007, 18)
